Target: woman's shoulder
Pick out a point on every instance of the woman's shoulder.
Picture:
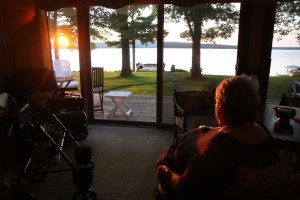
(250, 134)
(207, 131)
(213, 136)
(207, 136)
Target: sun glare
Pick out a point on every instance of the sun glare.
(63, 41)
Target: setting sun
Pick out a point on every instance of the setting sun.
(63, 41)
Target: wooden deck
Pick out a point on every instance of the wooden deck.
(144, 109)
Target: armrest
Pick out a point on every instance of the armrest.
(178, 108)
(179, 112)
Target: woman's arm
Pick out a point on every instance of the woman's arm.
(166, 176)
(161, 160)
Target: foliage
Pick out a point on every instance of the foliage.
(287, 19)
(222, 17)
(63, 23)
(180, 70)
(140, 27)
(130, 23)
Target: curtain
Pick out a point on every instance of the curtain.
(24, 39)
(26, 32)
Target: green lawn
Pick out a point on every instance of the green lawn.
(207, 81)
(144, 83)
(279, 85)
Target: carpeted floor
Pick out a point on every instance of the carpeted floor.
(124, 159)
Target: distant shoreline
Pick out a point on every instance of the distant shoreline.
(189, 45)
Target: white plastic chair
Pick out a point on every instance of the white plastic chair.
(63, 74)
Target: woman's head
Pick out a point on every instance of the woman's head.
(237, 100)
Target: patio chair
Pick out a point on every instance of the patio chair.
(64, 77)
(98, 88)
(192, 109)
(290, 99)
(296, 86)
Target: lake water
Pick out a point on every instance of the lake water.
(213, 61)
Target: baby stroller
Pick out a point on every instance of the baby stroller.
(38, 125)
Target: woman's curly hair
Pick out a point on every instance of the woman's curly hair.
(239, 96)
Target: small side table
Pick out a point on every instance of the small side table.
(119, 99)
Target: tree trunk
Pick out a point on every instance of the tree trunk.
(133, 55)
(196, 53)
(56, 46)
(126, 71)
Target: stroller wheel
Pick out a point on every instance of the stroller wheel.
(84, 195)
(35, 175)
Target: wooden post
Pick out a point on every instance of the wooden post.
(255, 42)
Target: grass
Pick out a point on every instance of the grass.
(279, 85)
(141, 83)
(207, 81)
(144, 83)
